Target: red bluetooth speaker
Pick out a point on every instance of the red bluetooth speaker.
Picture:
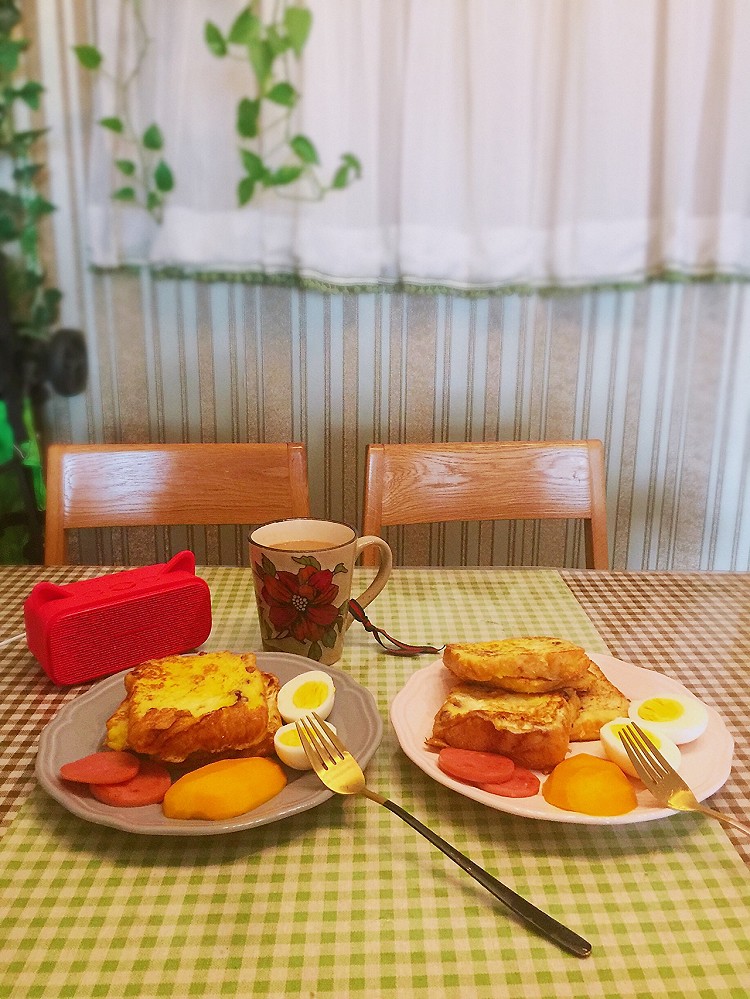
(95, 627)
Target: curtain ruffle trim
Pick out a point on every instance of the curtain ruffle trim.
(333, 287)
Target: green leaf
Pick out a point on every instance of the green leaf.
(125, 166)
(304, 148)
(10, 53)
(52, 297)
(89, 56)
(26, 173)
(284, 175)
(8, 228)
(340, 178)
(30, 93)
(40, 317)
(297, 21)
(350, 170)
(307, 560)
(245, 191)
(245, 27)
(284, 94)
(352, 161)
(153, 201)
(253, 164)
(23, 140)
(39, 206)
(341, 567)
(329, 638)
(46, 308)
(10, 201)
(9, 18)
(124, 194)
(261, 59)
(247, 118)
(113, 124)
(214, 39)
(29, 241)
(314, 652)
(267, 565)
(152, 138)
(163, 177)
(278, 43)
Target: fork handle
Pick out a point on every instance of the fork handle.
(726, 819)
(529, 913)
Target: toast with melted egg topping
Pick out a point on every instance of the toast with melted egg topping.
(196, 706)
(600, 702)
(532, 729)
(535, 664)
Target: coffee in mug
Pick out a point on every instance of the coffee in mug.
(302, 570)
(306, 545)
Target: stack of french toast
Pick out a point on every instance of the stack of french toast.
(526, 698)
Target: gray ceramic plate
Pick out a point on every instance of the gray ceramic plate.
(78, 729)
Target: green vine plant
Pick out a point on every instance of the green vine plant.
(144, 176)
(272, 154)
(33, 305)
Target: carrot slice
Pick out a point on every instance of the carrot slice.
(113, 767)
(148, 787)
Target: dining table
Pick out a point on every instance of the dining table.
(344, 899)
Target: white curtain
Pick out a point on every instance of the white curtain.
(503, 143)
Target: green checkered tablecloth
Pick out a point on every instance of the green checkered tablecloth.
(346, 900)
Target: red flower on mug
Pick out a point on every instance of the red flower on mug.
(301, 604)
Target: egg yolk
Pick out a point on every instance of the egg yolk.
(310, 695)
(652, 737)
(660, 709)
(290, 738)
(585, 783)
(224, 789)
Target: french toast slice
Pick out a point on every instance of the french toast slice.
(600, 702)
(187, 707)
(532, 729)
(534, 664)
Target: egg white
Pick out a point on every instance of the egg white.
(689, 721)
(616, 752)
(292, 710)
(289, 748)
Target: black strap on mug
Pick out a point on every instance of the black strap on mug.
(399, 648)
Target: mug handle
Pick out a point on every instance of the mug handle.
(383, 573)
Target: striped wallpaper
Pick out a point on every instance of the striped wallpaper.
(661, 374)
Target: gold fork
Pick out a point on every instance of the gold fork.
(340, 772)
(662, 779)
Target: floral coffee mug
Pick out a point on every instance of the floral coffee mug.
(302, 569)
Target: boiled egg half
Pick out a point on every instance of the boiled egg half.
(681, 719)
(615, 751)
(310, 691)
(289, 749)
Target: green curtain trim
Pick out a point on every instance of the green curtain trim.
(333, 287)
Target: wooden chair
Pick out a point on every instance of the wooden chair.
(128, 485)
(507, 480)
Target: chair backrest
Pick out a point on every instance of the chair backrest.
(128, 485)
(505, 480)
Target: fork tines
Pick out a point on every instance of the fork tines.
(643, 754)
(318, 738)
